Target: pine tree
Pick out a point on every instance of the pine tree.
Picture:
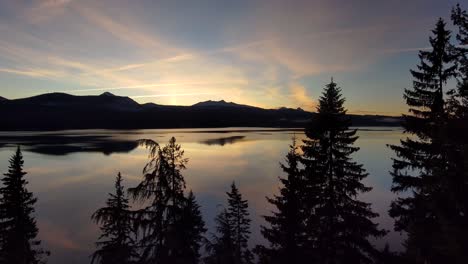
(240, 222)
(339, 224)
(162, 221)
(424, 160)
(287, 233)
(221, 248)
(458, 144)
(191, 230)
(117, 241)
(150, 220)
(18, 230)
(460, 19)
(230, 244)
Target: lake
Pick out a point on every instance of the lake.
(71, 173)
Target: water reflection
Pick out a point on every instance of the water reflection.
(64, 144)
(223, 140)
(77, 184)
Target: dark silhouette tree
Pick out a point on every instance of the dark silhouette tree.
(221, 248)
(460, 19)
(238, 215)
(161, 222)
(460, 129)
(286, 232)
(230, 244)
(456, 222)
(191, 230)
(18, 230)
(388, 257)
(424, 159)
(339, 224)
(151, 219)
(117, 241)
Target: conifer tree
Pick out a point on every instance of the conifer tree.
(162, 223)
(221, 248)
(286, 232)
(191, 230)
(460, 19)
(18, 230)
(117, 242)
(154, 191)
(339, 225)
(424, 160)
(457, 174)
(230, 244)
(238, 215)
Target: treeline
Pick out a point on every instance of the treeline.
(317, 216)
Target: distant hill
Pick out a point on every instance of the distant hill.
(67, 101)
(3, 99)
(56, 111)
(222, 103)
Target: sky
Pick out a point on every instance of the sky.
(267, 53)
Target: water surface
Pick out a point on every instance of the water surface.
(71, 173)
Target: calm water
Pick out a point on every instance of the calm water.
(71, 173)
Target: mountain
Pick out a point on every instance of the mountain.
(3, 99)
(222, 103)
(58, 111)
(67, 101)
(150, 105)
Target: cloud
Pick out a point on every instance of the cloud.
(41, 73)
(256, 55)
(298, 94)
(125, 32)
(45, 10)
(170, 95)
(152, 85)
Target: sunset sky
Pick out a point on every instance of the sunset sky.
(266, 53)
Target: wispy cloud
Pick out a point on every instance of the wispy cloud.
(41, 73)
(44, 10)
(183, 84)
(128, 33)
(300, 97)
(272, 53)
(169, 95)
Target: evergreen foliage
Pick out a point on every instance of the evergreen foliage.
(168, 216)
(286, 232)
(426, 162)
(191, 230)
(339, 225)
(238, 215)
(230, 245)
(18, 230)
(221, 248)
(117, 241)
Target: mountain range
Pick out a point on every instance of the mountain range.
(57, 111)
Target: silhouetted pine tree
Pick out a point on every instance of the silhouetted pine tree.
(240, 222)
(117, 242)
(424, 161)
(162, 222)
(151, 220)
(460, 19)
(18, 230)
(191, 229)
(458, 144)
(388, 257)
(221, 248)
(340, 225)
(287, 233)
